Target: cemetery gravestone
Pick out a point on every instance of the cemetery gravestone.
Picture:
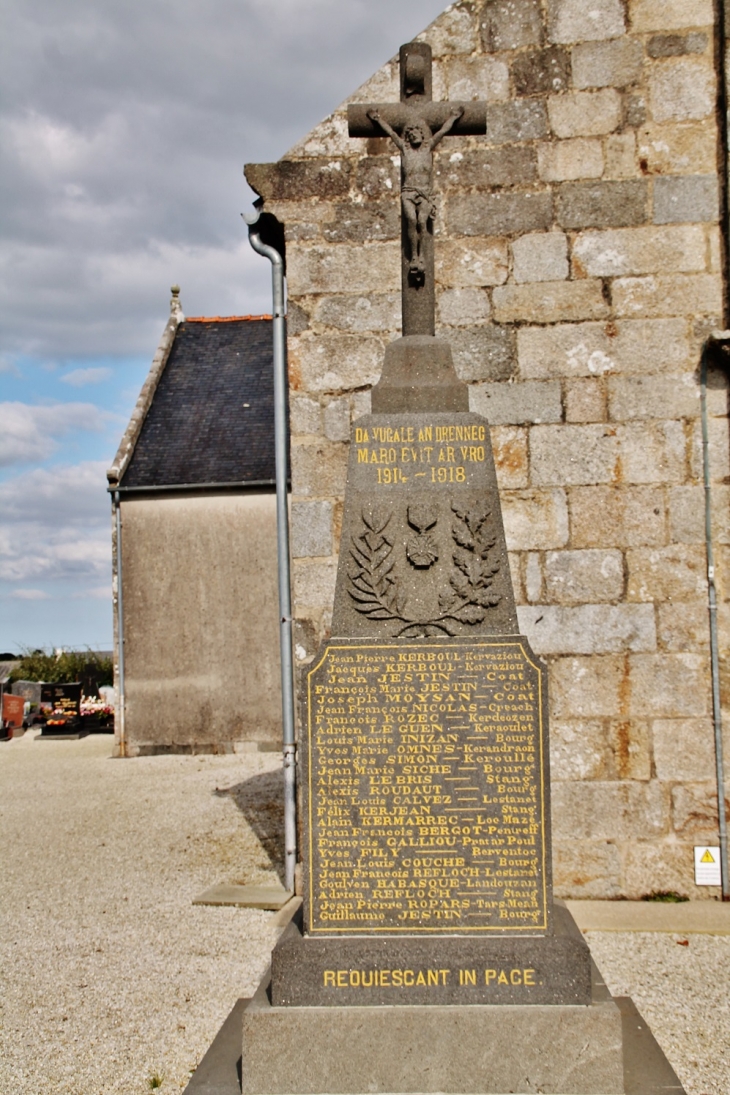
(424, 754)
(61, 707)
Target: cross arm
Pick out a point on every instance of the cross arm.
(473, 122)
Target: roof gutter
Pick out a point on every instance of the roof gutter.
(194, 488)
(256, 224)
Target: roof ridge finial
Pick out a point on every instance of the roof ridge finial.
(176, 311)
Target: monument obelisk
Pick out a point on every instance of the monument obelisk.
(423, 752)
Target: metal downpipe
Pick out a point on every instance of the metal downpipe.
(120, 629)
(712, 609)
(282, 544)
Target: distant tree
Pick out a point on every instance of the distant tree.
(86, 666)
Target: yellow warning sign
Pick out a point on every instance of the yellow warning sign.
(707, 866)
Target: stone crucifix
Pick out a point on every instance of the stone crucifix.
(416, 125)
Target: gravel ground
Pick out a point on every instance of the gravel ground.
(110, 977)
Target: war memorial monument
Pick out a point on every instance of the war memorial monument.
(430, 955)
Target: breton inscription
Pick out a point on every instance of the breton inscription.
(426, 788)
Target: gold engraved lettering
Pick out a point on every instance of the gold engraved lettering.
(425, 797)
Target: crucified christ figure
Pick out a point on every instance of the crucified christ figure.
(416, 148)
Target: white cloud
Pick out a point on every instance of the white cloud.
(30, 433)
(56, 525)
(77, 378)
(30, 595)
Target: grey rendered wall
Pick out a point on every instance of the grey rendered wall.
(201, 623)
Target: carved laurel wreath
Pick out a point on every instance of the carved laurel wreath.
(377, 592)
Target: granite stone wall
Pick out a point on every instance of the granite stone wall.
(579, 270)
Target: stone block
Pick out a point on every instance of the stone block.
(612, 204)
(592, 349)
(683, 294)
(605, 516)
(572, 455)
(579, 158)
(483, 353)
(360, 404)
(519, 120)
(668, 685)
(364, 223)
(682, 90)
(621, 159)
(351, 312)
(585, 400)
(295, 180)
(549, 302)
(464, 263)
(297, 319)
(535, 520)
(584, 576)
(311, 529)
(652, 397)
(607, 64)
(540, 256)
(480, 77)
(719, 446)
(684, 750)
(330, 138)
(544, 1046)
(650, 867)
(651, 452)
(617, 811)
(694, 812)
(663, 15)
(592, 687)
(329, 363)
(305, 415)
(541, 71)
(514, 569)
(574, 21)
(365, 268)
(377, 177)
(621, 251)
(588, 629)
(687, 514)
(509, 445)
(578, 750)
(483, 169)
(683, 149)
(630, 743)
(463, 307)
(533, 577)
(337, 419)
(510, 24)
(634, 108)
(673, 573)
(516, 404)
(313, 583)
(683, 626)
(676, 45)
(586, 869)
(585, 113)
(455, 31)
(319, 470)
(683, 199)
(303, 219)
(500, 213)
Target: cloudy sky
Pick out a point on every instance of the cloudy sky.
(124, 127)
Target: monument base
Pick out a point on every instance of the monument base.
(646, 1070)
(565, 1050)
(367, 971)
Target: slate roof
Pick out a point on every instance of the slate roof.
(211, 419)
